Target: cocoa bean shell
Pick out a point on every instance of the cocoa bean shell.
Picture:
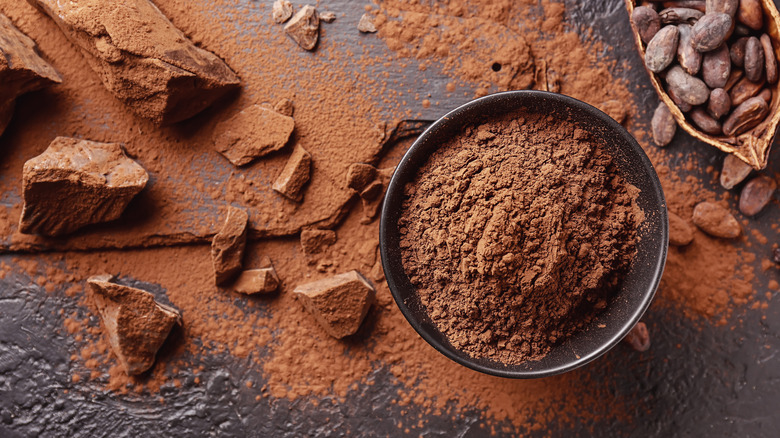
(711, 31)
(756, 195)
(754, 59)
(716, 67)
(746, 116)
(662, 48)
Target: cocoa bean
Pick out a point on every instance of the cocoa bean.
(737, 52)
(746, 116)
(724, 6)
(740, 30)
(754, 59)
(756, 195)
(699, 5)
(766, 94)
(662, 48)
(719, 103)
(770, 61)
(705, 122)
(734, 171)
(663, 125)
(638, 338)
(690, 89)
(711, 31)
(716, 220)
(751, 14)
(688, 57)
(680, 15)
(680, 233)
(744, 90)
(647, 22)
(683, 106)
(734, 77)
(716, 67)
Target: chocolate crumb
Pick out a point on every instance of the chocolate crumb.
(281, 11)
(366, 23)
(328, 17)
(295, 175)
(227, 248)
(304, 27)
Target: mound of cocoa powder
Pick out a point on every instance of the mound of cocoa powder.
(516, 234)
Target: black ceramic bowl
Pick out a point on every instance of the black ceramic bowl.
(639, 284)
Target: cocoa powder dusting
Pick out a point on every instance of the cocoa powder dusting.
(516, 233)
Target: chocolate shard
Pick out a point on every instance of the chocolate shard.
(304, 27)
(142, 58)
(338, 303)
(136, 325)
(366, 23)
(254, 132)
(21, 69)
(295, 175)
(315, 241)
(227, 248)
(76, 182)
(281, 11)
(256, 281)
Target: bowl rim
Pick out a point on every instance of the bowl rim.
(396, 185)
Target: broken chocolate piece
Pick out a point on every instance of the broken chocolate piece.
(315, 241)
(295, 175)
(254, 132)
(76, 182)
(339, 303)
(227, 248)
(282, 11)
(136, 324)
(256, 281)
(366, 23)
(285, 106)
(21, 69)
(359, 175)
(142, 59)
(304, 27)
(680, 233)
(328, 17)
(716, 220)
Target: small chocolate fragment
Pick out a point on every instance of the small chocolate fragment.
(690, 89)
(734, 171)
(366, 23)
(662, 48)
(21, 69)
(638, 338)
(304, 27)
(751, 14)
(359, 175)
(756, 195)
(295, 175)
(746, 116)
(254, 132)
(737, 52)
(680, 233)
(227, 248)
(663, 125)
(680, 16)
(136, 325)
(76, 182)
(282, 11)
(711, 31)
(142, 59)
(723, 6)
(285, 107)
(705, 122)
(754, 59)
(716, 220)
(647, 22)
(328, 17)
(256, 281)
(688, 57)
(716, 67)
(719, 103)
(314, 241)
(770, 60)
(338, 303)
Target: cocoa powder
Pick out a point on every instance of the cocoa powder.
(516, 233)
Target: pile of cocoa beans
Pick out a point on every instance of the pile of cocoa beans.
(715, 62)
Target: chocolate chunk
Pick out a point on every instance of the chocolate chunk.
(304, 27)
(328, 17)
(716, 67)
(21, 69)
(719, 103)
(76, 182)
(647, 22)
(227, 248)
(680, 233)
(359, 175)
(339, 303)
(716, 220)
(256, 281)
(688, 57)
(770, 60)
(734, 171)
(254, 132)
(663, 125)
(281, 11)
(711, 31)
(285, 107)
(142, 59)
(366, 23)
(754, 59)
(662, 48)
(638, 338)
(295, 175)
(314, 241)
(756, 195)
(751, 14)
(135, 324)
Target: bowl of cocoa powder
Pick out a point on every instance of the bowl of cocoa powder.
(524, 234)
